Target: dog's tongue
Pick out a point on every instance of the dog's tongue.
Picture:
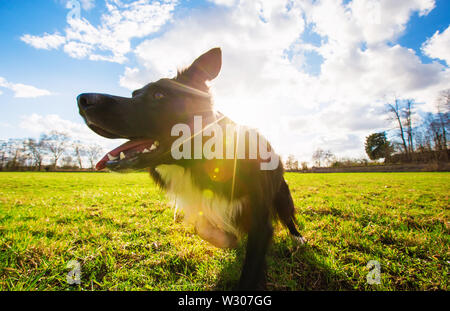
(137, 145)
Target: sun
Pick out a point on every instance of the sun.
(240, 109)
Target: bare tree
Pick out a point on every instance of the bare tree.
(15, 154)
(304, 166)
(55, 143)
(422, 140)
(328, 157)
(36, 149)
(79, 151)
(434, 129)
(317, 156)
(3, 153)
(443, 111)
(395, 111)
(67, 162)
(93, 152)
(320, 156)
(407, 119)
(291, 163)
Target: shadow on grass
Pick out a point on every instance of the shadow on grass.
(290, 267)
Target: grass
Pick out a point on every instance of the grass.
(120, 228)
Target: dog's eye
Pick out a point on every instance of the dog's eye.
(158, 95)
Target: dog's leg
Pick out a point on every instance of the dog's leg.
(253, 276)
(214, 235)
(284, 206)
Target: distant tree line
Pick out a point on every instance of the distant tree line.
(52, 151)
(324, 158)
(424, 142)
(414, 138)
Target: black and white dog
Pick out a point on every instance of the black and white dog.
(227, 188)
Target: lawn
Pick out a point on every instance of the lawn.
(121, 230)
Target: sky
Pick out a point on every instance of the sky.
(306, 73)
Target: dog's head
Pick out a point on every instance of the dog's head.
(146, 118)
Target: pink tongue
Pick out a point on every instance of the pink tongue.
(132, 145)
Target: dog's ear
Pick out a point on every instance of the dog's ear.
(206, 67)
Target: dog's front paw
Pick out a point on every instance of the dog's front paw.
(299, 239)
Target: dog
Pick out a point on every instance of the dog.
(224, 199)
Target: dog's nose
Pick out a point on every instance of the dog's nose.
(85, 101)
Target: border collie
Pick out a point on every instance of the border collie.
(227, 187)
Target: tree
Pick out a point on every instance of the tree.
(291, 163)
(443, 115)
(377, 146)
(422, 139)
(3, 153)
(396, 112)
(79, 151)
(15, 154)
(407, 117)
(67, 162)
(36, 150)
(436, 129)
(55, 143)
(328, 157)
(93, 152)
(319, 156)
(304, 166)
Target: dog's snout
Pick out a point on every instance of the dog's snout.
(85, 101)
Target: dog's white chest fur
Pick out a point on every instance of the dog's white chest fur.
(199, 205)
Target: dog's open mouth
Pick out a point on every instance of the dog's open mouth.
(127, 153)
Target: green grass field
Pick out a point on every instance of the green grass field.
(121, 230)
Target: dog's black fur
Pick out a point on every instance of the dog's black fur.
(153, 110)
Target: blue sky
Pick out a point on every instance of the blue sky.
(288, 63)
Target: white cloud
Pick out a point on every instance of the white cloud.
(224, 2)
(263, 79)
(87, 4)
(77, 49)
(111, 40)
(252, 59)
(133, 78)
(382, 20)
(37, 124)
(84, 4)
(371, 21)
(22, 90)
(46, 42)
(381, 72)
(3, 82)
(28, 91)
(438, 46)
(44, 124)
